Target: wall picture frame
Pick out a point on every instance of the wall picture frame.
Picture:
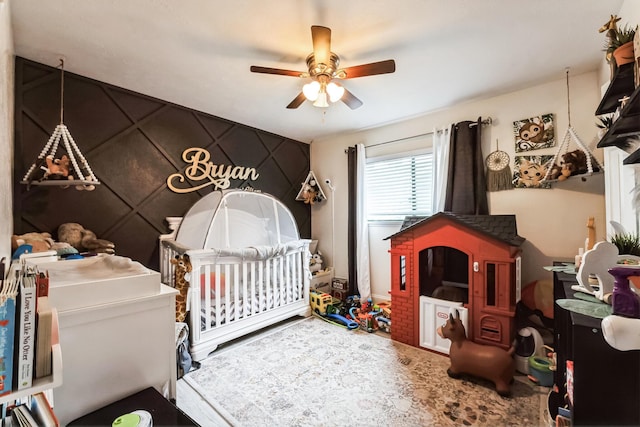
(534, 133)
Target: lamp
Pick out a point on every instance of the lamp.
(311, 90)
(317, 92)
(335, 91)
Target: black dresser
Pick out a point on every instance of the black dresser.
(606, 381)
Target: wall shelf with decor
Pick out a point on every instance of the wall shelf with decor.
(627, 123)
(621, 85)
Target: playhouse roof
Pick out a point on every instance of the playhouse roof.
(499, 227)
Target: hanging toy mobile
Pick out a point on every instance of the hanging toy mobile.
(498, 171)
(69, 169)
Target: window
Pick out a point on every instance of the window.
(399, 186)
(403, 273)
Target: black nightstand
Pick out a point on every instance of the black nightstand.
(163, 412)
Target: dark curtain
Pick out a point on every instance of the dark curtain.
(466, 186)
(352, 159)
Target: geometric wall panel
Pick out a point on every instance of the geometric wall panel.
(133, 143)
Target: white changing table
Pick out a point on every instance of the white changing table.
(117, 331)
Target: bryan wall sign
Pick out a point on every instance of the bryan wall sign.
(201, 169)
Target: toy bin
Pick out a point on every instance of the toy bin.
(539, 368)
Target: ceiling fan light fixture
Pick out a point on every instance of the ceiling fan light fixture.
(335, 92)
(321, 101)
(311, 90)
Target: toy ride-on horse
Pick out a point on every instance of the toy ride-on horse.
(485, 361)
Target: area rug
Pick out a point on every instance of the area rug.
(312, 373)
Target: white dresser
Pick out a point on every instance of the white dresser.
(117, 332)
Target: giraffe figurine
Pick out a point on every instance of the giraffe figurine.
(181, 283)
(609, 28)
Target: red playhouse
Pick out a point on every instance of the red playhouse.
(472, 260)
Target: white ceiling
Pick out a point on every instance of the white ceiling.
(197, 53)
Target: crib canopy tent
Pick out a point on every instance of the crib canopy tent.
(237, 219)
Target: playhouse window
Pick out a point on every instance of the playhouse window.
(491, 284)
(403, 273)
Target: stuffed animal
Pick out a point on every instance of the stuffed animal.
(485, 361)
(315, 264)
(39, 242)
(57, 168)
(83, 240)
(309, 194)
(576, 163)
(565, 172)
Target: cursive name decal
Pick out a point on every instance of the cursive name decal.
(201, 169)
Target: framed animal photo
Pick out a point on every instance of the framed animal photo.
(529, 171)
(534, 133)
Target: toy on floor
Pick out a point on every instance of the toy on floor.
(322, 305)
(485, 361)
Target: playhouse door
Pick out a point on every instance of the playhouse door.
(433, 313)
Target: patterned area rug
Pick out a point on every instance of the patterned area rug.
(312, 373)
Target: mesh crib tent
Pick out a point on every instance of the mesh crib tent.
(249, 266)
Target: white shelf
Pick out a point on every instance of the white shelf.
(41, 384)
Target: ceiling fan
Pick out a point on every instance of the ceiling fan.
(323, 68)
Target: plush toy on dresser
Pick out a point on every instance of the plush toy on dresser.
(485, 361)
(83, 240)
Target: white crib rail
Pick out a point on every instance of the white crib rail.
(230, 293)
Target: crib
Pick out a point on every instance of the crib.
(250, 268)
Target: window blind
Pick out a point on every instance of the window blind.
(399, 187)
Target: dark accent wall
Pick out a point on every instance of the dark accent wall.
(133, 143)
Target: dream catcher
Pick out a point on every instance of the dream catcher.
(498, 171)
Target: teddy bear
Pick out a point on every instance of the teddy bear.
(83, 240)
(39, 242)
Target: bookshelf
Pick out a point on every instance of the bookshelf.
(40, 384)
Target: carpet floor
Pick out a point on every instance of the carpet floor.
(312, 373)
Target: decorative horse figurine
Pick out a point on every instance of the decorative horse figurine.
(485, 361)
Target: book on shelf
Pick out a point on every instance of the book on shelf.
(21, 416)
(44, 330)
(26, 325)
(42, 282)
(42, 411)
(8, 295)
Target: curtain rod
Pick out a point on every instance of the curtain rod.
(488, 121)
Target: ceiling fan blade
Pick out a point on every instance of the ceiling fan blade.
(382, 67)
(278, 71)
(351, 100)
(297, 101)
(321, 37)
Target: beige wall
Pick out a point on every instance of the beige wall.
(6, 130)
(553, 221)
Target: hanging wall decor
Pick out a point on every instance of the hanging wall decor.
(566, 163)
(498, 170)
(71, 168)
(529, 171)
(534, 133)
(311, 192)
